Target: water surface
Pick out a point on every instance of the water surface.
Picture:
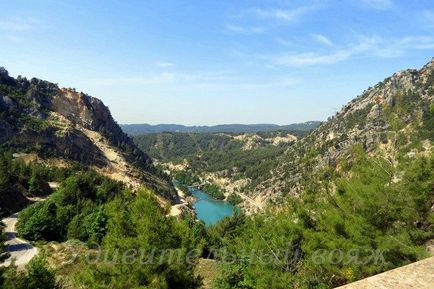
(210, 210)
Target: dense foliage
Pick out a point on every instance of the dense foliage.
(370, 223)
(138, 224)
(19, 180)
(167, 146)
(216, 153)
(214, 191)
(36, 276)
(97, 210)
(234, 199)
(3, 253)
(75, 211)
(184, 179)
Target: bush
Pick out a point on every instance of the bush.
(214, 191)
(37, 276)
(234, 199)
(367, 213)
(140, 223)
(38, 184)
(74, 211)
(3, 250)
(38, 222)
(90, 227)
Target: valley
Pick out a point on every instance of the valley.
(217, 144)
(233, 162)
(359, 183)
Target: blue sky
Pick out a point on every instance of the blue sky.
(212, 62)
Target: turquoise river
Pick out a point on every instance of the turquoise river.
(210, 210)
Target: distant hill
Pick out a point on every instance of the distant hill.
(135, 129)
(393, 120)
(176, 146)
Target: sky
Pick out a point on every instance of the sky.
(215, 62)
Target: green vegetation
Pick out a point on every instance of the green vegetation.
(97, 210)
(168, 146)
(184, 179)
(427, 130)
(214, 191)
(3, 252)
(19, 180)
(216, 152)
(38, 185)
(137, 225)
(36, 276)
(253, 164)
(75, 211)
(234, 199)
(325, 239)
(363, 203)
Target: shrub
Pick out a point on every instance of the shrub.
(37, 276)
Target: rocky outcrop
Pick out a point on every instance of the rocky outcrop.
(38, 116)
(90, 113)
(381, 120)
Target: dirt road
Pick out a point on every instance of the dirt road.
(21, 251)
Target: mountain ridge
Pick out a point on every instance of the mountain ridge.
(393, 119)
(60, 124)
(135, 129)
(390, 119)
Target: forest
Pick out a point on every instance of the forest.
(216, 152)
(356, 198)
(312, 243)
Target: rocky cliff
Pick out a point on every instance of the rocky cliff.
(63, 125)
(393, 119)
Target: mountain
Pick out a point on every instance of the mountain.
(61, 126)
(135, 129)
(173, 146)
(361, 182)
(393, 119)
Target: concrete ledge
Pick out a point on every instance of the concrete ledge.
(418, 275)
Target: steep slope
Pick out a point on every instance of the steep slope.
(173, 146)
(233, 162)
(61, 125)
(359, 186)
(394, 119)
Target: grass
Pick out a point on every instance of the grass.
(207, 269)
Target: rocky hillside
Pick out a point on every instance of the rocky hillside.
(62, 126)
(234, 163)
(173, 146)
(394, 119)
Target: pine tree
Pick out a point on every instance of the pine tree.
(5, 178)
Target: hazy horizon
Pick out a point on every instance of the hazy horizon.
(206, 63)
(155, 124)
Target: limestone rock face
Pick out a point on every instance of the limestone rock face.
(381, 120)
(38, 116)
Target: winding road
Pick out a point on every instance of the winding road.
(21, 251)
